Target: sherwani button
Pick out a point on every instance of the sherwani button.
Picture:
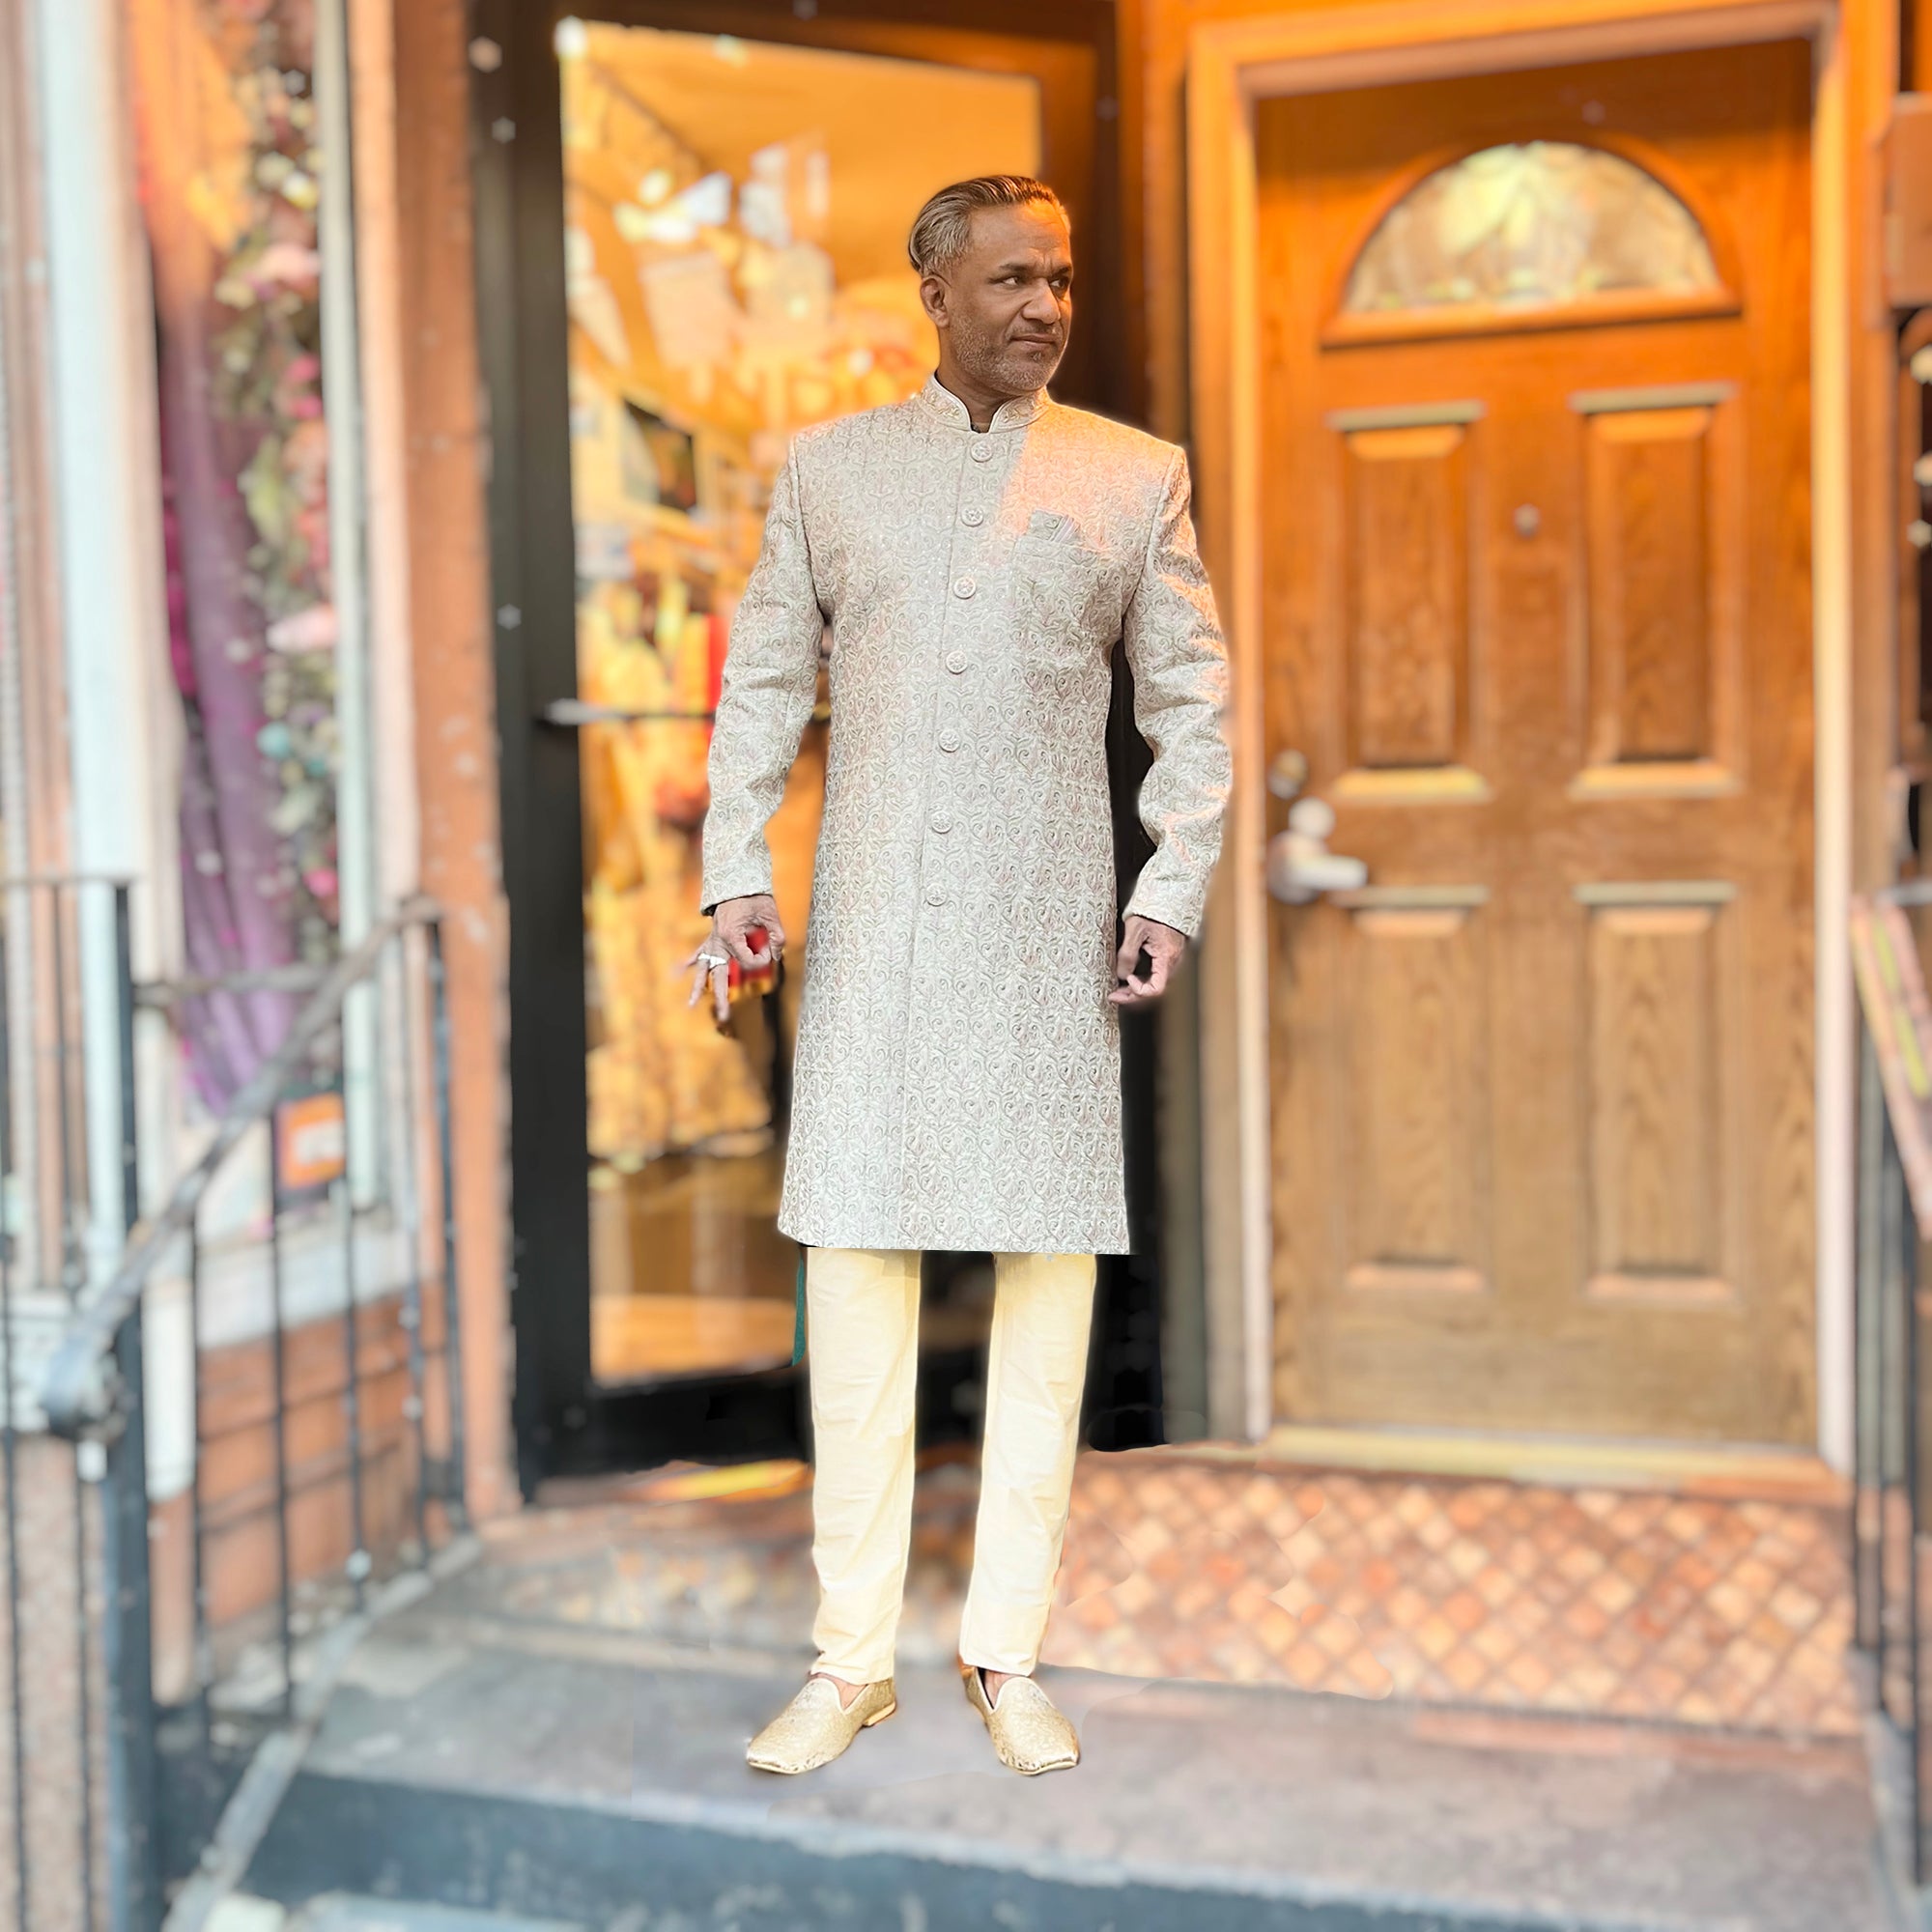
(942, 823)
(963, 587)
(975, 516)
(983, 452)
(956, 660)
(949, 741)
(934, 896)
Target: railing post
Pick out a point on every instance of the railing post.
(1915, 1634)
(1867, 1301)
(133, 1853)
(11, 943)
(457, 1498)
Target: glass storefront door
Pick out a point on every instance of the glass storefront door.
(691, 221)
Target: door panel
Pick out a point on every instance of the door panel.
(1418, 1091)
(1662, 505)
(1542, 1113)
(1655, 1124)
(1647, 501)
(1408, 634)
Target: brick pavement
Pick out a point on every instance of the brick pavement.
(1725, 1612)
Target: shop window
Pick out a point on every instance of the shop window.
(238, 116)
(232, 180)
(1530, 225)
(735, 214)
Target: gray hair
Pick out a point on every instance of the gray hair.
(943, 229)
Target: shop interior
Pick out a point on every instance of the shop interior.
(734, 223)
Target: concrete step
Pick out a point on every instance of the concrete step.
(598, 1781)
(350, 1912)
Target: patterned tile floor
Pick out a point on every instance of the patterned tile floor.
(1717, 1612)
(1722, 1612)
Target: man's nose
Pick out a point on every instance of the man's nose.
(1042, 305)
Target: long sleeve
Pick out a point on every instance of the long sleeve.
(771, 672)
(1179, 662)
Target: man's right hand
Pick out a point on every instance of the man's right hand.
(731, 921)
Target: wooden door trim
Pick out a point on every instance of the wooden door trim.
(1761, 1474)
(1233, 66)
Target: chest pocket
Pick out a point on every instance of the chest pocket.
(1063, 598)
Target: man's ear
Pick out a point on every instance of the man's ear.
(932, 294)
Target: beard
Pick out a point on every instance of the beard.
(1006, 366)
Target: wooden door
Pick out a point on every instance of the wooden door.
(1536, 521)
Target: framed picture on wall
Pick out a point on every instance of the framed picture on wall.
(658, 462)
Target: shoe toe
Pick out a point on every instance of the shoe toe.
(815, 1727)
(1030, 1733)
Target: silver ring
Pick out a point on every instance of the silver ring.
(712, 960)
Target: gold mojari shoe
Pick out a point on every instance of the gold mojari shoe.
(815, 1728)
(1030, 1735)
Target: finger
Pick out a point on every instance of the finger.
(1129, 954)
(700, 973)
(721, 992)
(736, 945)
(1163, 964)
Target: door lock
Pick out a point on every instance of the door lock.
(1286, 774)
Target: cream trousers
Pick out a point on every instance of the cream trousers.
(862, 1310)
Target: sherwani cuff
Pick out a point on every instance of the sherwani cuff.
(738, 882)
(1166, 908)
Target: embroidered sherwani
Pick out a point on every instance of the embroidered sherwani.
(956, 1082)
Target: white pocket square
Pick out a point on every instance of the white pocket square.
(1052, 526)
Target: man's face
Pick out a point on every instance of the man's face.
(1006, 305)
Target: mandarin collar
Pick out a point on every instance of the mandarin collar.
(1014, 414)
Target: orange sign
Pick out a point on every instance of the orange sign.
(311, 1142)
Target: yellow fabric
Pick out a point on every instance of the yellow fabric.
(863, 1307)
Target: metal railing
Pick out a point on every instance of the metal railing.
(60, 1207)
(306, 1395)
(1891, 1539)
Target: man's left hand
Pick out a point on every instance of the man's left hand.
(1163, 947)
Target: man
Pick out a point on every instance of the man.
(975, 550)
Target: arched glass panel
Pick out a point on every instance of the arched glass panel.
(1530, 224)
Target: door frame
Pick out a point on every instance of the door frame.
(566, 1423)
(1232, 67)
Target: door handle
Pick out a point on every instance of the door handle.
(573, 713)
(1300, 867)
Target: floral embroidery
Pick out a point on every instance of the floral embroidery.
(957, 1077)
